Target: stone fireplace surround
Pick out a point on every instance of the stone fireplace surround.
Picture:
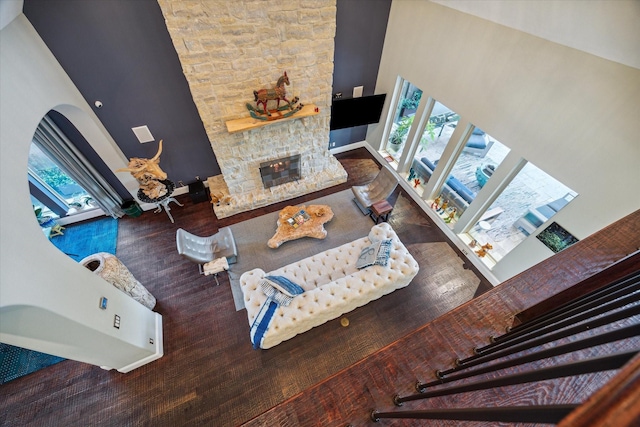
(318, 169)
(228, 50)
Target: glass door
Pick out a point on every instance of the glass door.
(56, 183)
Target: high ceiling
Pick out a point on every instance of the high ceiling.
(605, 28)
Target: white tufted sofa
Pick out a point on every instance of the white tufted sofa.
(332, 283)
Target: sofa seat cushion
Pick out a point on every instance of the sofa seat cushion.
(462, 190)
(456, 189)
(333, 285)
(477, 141)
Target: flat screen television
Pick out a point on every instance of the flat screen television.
(347, 113)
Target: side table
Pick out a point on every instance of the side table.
(380, 211)
(161, 202)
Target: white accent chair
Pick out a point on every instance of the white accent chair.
(202, 250)
(377, 190)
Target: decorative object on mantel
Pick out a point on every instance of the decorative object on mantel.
(278, 93)
(262, 115)
(148, 174)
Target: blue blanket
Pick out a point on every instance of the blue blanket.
(274, 298)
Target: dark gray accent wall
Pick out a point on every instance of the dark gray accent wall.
(120, 53)
(361, 26)
(89, 153)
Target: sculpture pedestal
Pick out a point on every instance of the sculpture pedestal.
(163, 201)
(113, 271)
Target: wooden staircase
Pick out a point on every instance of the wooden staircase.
(350, 396)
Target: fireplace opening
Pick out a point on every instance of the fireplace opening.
(280, 171)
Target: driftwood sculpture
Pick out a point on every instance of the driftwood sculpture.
(148, 174)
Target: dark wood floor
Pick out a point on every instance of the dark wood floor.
(210, 375)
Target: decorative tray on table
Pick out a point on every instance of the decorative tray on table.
(298, 219)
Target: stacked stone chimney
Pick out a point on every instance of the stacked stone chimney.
(228, 49)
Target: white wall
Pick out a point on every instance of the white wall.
(595, 26)
(48, 302)
(573, 114)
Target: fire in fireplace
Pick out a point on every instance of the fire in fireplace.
(280, 171)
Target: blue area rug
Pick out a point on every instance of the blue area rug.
(78, 241)
(16, 362)
(82, 240)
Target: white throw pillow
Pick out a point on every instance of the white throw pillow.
(377, 253)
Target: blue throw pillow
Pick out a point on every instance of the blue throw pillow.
(285, 285)
(384, 253)
(273, 294)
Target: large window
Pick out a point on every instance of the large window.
(55, 182)
(530, 199)
(480, 157)
(518, 205)
(403, 119)
(435, 137)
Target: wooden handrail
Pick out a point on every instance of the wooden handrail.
(617, 404)
(615, 271)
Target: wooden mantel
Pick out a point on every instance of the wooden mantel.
(248, 123)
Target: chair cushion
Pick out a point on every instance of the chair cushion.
(379, 189)
(466, 194)
(477, 141)
(225, 244)
(453, 183)
(195, 248)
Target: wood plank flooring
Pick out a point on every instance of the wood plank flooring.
(210, 375)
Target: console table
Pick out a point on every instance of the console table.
(163, 201)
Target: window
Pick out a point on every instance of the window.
(480, 157)
(435, 138)
(403, 119)
(55, 182)
(522, 204)
(529, 200)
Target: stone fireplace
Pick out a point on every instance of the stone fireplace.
(228, 50)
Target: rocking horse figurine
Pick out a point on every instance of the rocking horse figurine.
(278, 93)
